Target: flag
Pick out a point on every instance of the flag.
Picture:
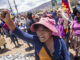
(70, 7)
(66, 4)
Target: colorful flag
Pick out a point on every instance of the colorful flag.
(70, 7)
(66, 4)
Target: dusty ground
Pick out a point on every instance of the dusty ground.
(23, 49)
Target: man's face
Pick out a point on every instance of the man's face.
(43, 33)
(78, 16)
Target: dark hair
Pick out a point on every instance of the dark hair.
(37, 26)
(76, 9)
(29, 15)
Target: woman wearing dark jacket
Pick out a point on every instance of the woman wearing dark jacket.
(47, 46)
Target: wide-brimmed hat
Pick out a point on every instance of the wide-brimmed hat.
(47, 22)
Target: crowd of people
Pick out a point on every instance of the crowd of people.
(51, 33)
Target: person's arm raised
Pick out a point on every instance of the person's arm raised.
(21, 34)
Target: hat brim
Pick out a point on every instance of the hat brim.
(50, 27)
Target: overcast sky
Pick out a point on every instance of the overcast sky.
(23, 5)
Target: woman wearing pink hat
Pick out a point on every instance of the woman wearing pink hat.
(47, 46)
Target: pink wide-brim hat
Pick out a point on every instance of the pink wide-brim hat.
(48, 23)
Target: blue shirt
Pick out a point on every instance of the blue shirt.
(60, 53)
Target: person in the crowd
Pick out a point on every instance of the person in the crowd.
(23, 27)
(2, 40)
(8, 33)
(29, 22)
(14, 39)
(37, 18)
(23, 21)
(47, 46)
(66, 24)
(60, 27)
(17, 20)
(75, 29)
(54, 14)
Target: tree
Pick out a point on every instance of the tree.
(74, 2)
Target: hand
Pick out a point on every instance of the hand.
(5, 16)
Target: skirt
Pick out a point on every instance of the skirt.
(75, 42)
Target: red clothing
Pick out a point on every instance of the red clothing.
(5, 26)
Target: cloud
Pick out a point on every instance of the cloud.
(22, 5)
(2, 2)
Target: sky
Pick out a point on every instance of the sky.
(22, 5)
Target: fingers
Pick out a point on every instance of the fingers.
(5, 14)
(5, 11)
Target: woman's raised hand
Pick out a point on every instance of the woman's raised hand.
(5, 16)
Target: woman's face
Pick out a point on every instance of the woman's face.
(43, 33)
